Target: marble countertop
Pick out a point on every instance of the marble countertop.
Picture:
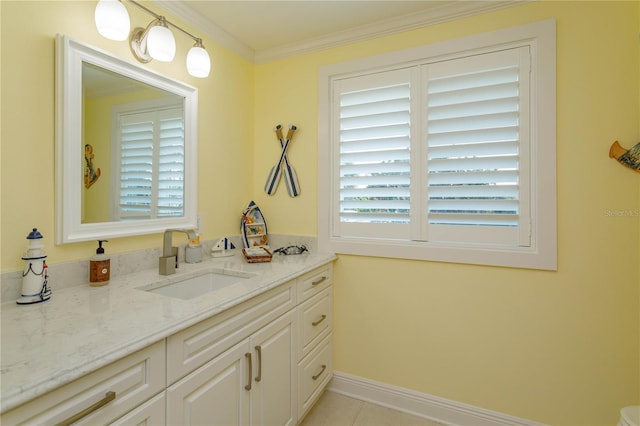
(83, 328)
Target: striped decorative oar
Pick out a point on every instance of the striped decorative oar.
(276, 171)
(290, 175)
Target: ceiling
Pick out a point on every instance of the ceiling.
(264, 30)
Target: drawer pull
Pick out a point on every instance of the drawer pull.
(322, 279)
(108, 397)
(324, 367)
(248, 356)
(322, 318)
(259, 351)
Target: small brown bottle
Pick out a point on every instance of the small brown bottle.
(99, 267)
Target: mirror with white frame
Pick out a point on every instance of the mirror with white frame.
(126, 147)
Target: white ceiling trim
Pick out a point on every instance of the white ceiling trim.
(447, 12)
(192, 17)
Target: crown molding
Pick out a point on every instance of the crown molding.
(446, 12)
(209, 28)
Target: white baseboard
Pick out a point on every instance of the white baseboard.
(420, 404)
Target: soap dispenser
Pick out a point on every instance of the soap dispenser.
(99, 267)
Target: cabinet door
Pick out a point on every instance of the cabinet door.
(273, 394)
(216, 393)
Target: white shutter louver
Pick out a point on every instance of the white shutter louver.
(136, 168)
(151, 163)
(374, 155)
(474, 143)
(171, 168)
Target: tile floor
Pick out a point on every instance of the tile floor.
(333, 409)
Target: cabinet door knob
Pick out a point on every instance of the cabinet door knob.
(248, 356)
(108, 397)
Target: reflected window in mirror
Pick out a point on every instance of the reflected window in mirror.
(149, 161)
(134, 140)
(126, 147)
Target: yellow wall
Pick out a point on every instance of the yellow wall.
(556, 347)
(225, 126)
(96, 200)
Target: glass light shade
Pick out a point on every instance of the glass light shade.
(198, 62)
(112, 20)
(160, 44)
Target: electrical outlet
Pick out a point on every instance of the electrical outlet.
(199, 224)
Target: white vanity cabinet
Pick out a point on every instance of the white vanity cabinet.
(102, 397)
(250, 384)
(239, 364)
(264, 361)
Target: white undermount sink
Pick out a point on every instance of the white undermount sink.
(198, 285)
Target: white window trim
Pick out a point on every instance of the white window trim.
(542, 253)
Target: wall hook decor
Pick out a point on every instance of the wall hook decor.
(627, 157)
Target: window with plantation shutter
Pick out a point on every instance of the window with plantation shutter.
(375, 154)
(448, 155)
(477, 130)
(149, 162)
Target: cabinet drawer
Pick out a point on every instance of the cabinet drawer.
(314, 372)
(134, 379)
(315, 321)
(150, 413)
(195, 346)
(314, 282)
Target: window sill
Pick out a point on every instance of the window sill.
(513, 257)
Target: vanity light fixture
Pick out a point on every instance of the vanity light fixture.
(156, 41)
(112, 20)
(198, 62)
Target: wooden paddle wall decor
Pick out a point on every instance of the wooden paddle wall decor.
(283, 167)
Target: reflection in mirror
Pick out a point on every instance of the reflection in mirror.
(126, 147)
(133, 147)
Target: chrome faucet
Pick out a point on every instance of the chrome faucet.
(169, 259)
